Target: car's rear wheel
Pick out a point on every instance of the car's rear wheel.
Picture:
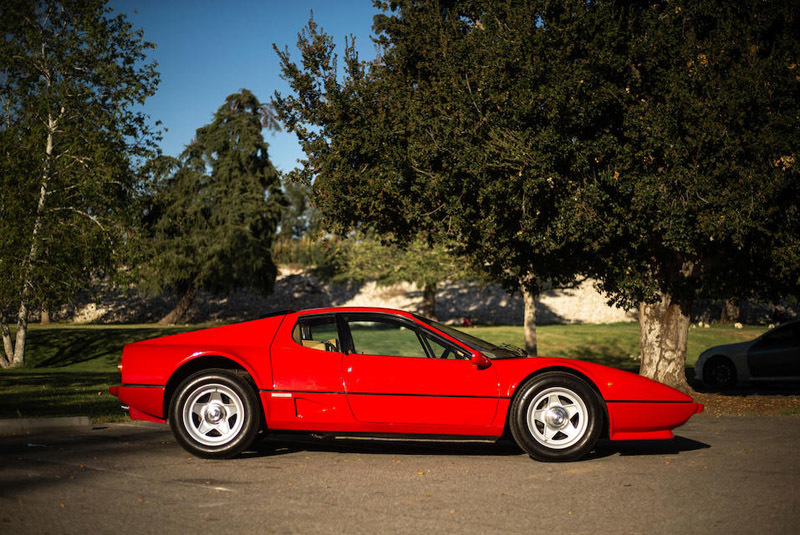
(719, 372)
(556, 417)
(214, 414)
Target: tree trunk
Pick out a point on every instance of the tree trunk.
(429, 301)
(22, 336)
(6, 358)
(529, 298)
(730, 311)
(180, 309)
(33, 253)
(45, 317)
(663, 336)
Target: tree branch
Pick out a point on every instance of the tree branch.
(82, 213)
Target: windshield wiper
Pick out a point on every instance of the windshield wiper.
(515, 349)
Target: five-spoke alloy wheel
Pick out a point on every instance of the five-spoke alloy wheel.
(214, 414)
(556, 417)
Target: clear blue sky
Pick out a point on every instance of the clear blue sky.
(207, 50)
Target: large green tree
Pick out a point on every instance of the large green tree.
(652, 145)
(398, 144)
(697, 192)
(681, 134)
(72, 77)
(215, 214)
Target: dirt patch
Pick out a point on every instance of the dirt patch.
(747, 403)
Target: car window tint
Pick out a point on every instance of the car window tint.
(784, 334)
(793, 332)
(317, 333)
(385, 338)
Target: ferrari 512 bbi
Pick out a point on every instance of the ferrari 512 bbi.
(380, 372)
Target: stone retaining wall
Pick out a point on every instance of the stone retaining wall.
(298, 290)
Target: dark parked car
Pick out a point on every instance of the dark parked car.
(773, 356)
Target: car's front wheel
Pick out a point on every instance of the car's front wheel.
(214, 414)
(556, 417)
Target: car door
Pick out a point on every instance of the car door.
(396, 372)
(306, 362)
(777, 353)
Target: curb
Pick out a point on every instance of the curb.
(34, 425)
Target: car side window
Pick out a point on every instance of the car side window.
(376, 337)
(445, 351)
(317, 332)
(786, 334)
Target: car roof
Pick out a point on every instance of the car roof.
(342, 310)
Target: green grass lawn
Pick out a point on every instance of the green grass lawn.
(615, 344)
(69, 368)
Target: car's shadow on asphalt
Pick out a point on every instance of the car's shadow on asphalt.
(276, 445)
(674, 446)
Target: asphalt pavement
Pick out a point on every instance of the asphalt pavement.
(719, 475)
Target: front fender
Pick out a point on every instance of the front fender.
(611, 383)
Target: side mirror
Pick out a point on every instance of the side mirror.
(480, 361)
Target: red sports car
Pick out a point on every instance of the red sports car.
(371, 371)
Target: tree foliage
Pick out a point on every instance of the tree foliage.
(71, 80)
(398, 145)
(417, 261)
(652, 145)
(696, 192)
(215, 214)
(300, 216)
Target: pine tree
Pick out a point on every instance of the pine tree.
(215, 216)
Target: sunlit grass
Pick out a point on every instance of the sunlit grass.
(615, 344)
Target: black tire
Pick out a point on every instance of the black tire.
(719, 373)
(214, 414)
(556, 416)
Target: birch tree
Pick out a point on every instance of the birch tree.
(72, 76)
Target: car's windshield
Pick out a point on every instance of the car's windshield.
(492, 351)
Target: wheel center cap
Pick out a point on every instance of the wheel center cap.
(215, 414)
(556, 417)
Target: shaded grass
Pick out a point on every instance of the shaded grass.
(69, 368)
(28, 394)
(88, 347)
